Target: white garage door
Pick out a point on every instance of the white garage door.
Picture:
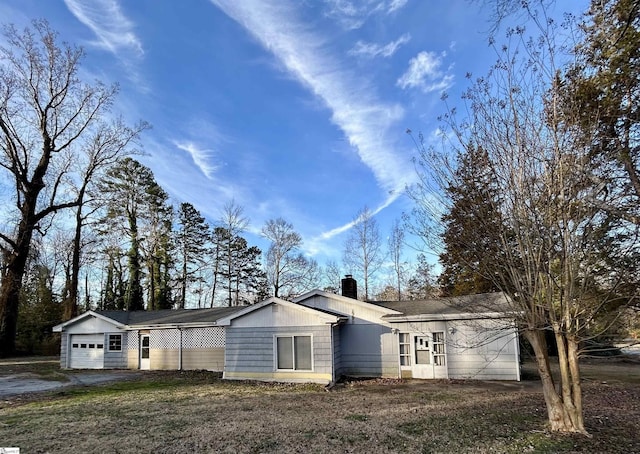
(87, 351)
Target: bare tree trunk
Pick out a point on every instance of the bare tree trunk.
(561, 410)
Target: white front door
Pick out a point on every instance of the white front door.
(144, 352)
(422, 356)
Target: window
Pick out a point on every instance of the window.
(438, 349)
(293, 352)
(405, 349)
(75, 345)
(115, 342)
(144, 348)
(423, 354)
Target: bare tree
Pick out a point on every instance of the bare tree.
(285, 265)
(234, 222)
(332, 277)
(396, 243)
(363, 252)
(564, 260)
(46, 115)
(107, 144)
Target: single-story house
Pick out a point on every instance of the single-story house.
(166, 339)
(317, 337)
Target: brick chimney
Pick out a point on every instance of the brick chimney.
(350, 287)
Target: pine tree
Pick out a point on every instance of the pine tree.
(601, 94)
(470, 240)
(136, 204)
(192, 240)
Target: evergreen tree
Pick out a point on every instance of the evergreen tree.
(471, 242)
(601, 94)
(192, 240)
(137, 205)
(421, 284)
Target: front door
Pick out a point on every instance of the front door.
(422, 360)
(144, 352)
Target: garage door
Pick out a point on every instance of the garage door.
(87, 351)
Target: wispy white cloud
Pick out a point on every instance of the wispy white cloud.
(395, 5)
(114, 31)
(352, 14)
(201, 157)
(364, 119)
(343, 228)
(372, 50)
(425, 73)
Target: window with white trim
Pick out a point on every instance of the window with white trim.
(115, 342)
(438, 349)
(405, 349)
(293, 353)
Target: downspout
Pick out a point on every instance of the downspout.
(516, 340)
(333, 356)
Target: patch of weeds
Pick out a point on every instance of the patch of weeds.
(436, 397)
(309, 434)
(540, 443)
(356, 417)
(267, 445)
(413, 428)
(349, 438)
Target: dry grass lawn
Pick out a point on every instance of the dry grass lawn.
(193, 412)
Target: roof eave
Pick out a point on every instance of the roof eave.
(448, 317)
(60, 327)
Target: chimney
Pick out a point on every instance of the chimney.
(350, 287)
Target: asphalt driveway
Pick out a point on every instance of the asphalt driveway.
(15, 380)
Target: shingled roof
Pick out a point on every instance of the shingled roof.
(485, 303)
(169, 316)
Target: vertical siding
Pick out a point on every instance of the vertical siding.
(249, 353)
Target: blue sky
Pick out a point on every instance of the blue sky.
(294, 109)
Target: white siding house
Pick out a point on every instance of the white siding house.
(319, 337)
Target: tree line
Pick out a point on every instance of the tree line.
(87, 226)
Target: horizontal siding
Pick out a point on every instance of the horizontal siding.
(279, 315)
(91, 325)
(115, 360)
(337, 353)
(357, 313)
(483, 351)
(368, 351)
(249, 353)
(64, 349)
